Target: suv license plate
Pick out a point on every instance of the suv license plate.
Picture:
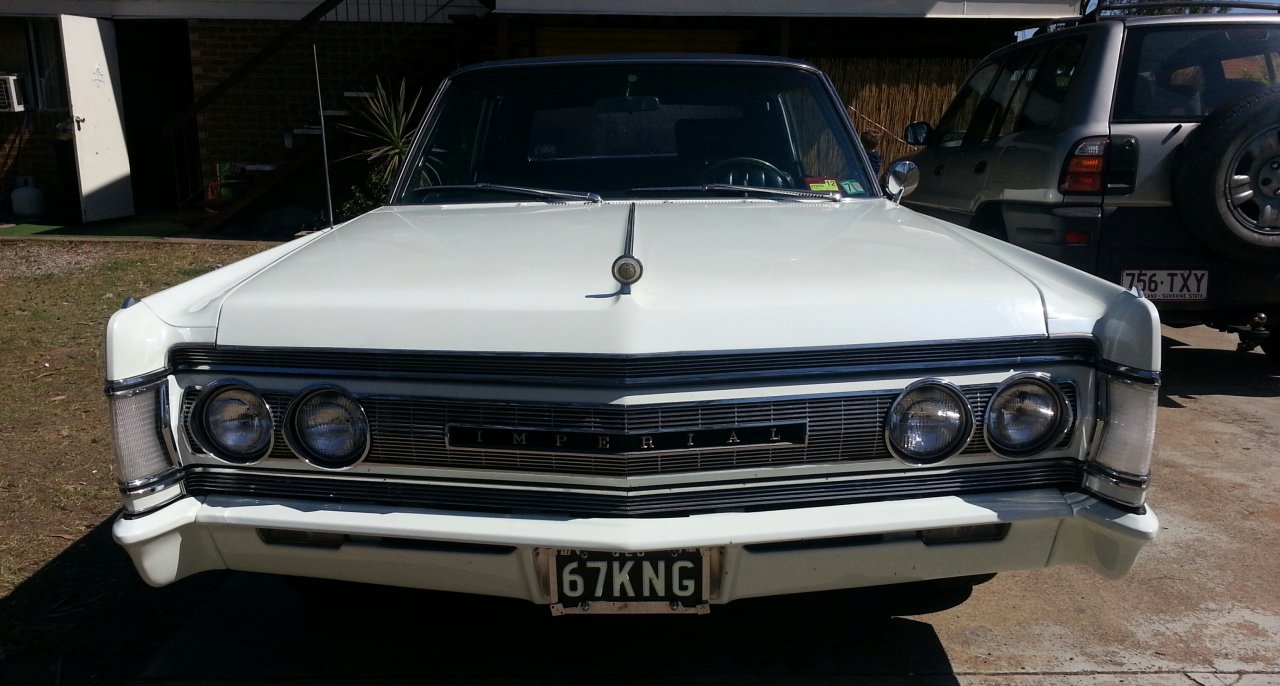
(1168, 284)
(647, 582)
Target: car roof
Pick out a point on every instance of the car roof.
(1240, 18)
(1119, 23)
(646, 58)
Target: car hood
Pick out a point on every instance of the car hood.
(717, 276)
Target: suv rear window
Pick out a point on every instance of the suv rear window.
(1182, 73)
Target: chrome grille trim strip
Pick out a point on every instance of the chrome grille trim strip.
(842, 429)
(629, 370)
(135, 384)
(1129, 373)
(516, 498)
(151, 484)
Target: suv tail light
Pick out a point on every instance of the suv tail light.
(1085, 170)
(1101, 164)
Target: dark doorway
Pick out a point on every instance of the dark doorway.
(155, 69)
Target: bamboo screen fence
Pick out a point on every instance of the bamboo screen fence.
(892, 93)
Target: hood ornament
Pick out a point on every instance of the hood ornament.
(626, 269)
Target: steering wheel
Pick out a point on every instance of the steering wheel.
(747, 171)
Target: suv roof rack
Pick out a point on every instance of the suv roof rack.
(1093, 15)
(1168, 4)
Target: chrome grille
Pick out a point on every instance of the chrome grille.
(411, 431)
(598, 369)
(516, 498)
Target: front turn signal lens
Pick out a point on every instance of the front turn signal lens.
(137, 425)
(1129, 433)
(1119, 467)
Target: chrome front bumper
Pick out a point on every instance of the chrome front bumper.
(826, 547)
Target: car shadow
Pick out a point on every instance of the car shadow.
(86, 618)
(274, 629)
(1191, 371)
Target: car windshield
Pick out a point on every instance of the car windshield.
(635, 130)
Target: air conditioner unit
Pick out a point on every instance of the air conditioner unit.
(10, 93)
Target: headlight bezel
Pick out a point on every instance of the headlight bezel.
(198, 423)
(963, 436)
(305, 452)
(1061, 428)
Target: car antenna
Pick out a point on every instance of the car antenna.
(324, 142)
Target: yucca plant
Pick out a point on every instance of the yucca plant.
(387, 120)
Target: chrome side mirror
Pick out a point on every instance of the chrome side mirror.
(917, 133)
(902, 179)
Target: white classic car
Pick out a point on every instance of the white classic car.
(636, 334)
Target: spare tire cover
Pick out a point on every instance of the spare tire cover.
(1227, 182)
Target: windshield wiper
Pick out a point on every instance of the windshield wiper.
(513, 190)
(733, 188)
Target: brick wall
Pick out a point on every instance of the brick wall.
(31, 151)
(35, 152)
(248, 123)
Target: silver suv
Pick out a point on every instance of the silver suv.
(1144, 150)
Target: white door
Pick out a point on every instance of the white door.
(93, 82)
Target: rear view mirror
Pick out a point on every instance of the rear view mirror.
(628, 103)
(918, 133)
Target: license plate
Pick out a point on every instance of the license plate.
(601, 582)
(1168, 284)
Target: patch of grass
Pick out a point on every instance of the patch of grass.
(57, 472)
(26, 229)
(72, 607)
(127, 227)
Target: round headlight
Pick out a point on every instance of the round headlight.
(233, 422)
(929, 422)
(1026, 415)
(327, 429)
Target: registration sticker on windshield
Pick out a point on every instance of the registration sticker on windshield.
(851, 187)
(822, 183)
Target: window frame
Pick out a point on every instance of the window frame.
(1127, 71)
(821, 89)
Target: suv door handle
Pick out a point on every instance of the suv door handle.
(937, 171)
(980, 167)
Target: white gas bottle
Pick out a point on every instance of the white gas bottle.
(28, 201)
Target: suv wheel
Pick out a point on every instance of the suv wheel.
(1227, 185)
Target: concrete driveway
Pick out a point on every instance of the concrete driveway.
(1201, 607)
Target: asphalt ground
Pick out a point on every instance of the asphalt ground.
(1202, 605)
